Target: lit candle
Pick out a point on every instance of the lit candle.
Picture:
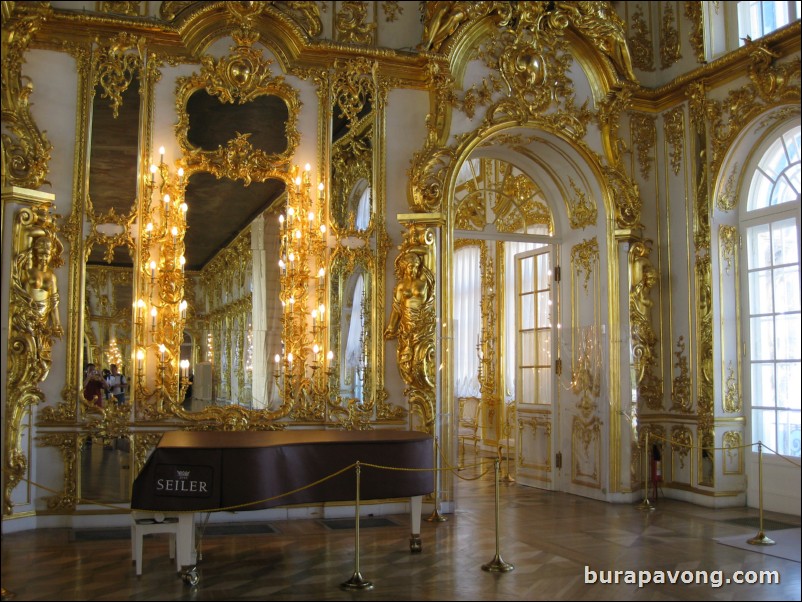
(161, 154)
(277, 359)
(162, 352)
(180, 174)
(321, 273)
(330, 356)
(289, 359)
(298, 184)
(320, 189)
(184, 207)
(321, 309)
(281, 221)
(140, 310)
(152, 173)
(166, 204)
(182, 261)
(182, 308)
(152, 270)
(314, 319)
(322, 228)
(140, 359)
(153, 314)
(174, 232)
(148, 229)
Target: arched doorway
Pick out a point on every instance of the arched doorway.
(528, 233)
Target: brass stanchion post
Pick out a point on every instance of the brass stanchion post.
(435, 516)
(497, 565)
(760, 539)
(356, 581)
(646, 504)
(507, 478)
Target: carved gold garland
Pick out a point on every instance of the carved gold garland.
(643, 277)
(681, 385)
(644, 133)
(670, 51)
(640, 44)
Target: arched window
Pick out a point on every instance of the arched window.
(770, 225)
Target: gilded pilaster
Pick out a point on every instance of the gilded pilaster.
(34, 325)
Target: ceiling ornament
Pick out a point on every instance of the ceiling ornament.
(694, 14)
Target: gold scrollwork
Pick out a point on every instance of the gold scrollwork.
(681, 385)
(582, 212)
(727, 201)
(674, 130)
(114, 67)
(26, 150)
(584, 257)
(670, 50)
(728, 243)
(412, 320)
(351, 23)
(732, 442)
(130, 8)
(67, 444)
(643, 277)
(681, 442)
(626, 195)
(640, 44)
(693, 12)
(239, 77)
(644, 132)
(34, 325)
(586, 452)
(732, 402)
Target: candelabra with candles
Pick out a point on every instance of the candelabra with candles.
(161, 310)
(304, 374)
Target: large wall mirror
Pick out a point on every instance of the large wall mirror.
(356, 211)
(109, 221)
(237, 132)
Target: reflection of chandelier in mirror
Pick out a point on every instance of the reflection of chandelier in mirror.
(161, 309)
(113, 355)
(304, 373)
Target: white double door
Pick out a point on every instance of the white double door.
(539, 455)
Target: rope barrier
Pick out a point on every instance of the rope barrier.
(674, 443)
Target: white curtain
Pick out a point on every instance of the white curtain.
(353, 344)
(510, 250)
(467, 320)
(363, 210)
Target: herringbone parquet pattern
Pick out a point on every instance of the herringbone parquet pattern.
(549, 537)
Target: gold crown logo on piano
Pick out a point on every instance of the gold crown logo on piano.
(182, 474)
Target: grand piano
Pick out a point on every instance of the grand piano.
(202, 471)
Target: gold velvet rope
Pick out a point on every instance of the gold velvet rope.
(656, 437)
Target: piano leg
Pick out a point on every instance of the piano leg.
(186, 539)
(416, 506)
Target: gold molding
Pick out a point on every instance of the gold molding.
(640, 44)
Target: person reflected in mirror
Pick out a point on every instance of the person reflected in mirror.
(188, 394)
(94, 386)
(118, 384)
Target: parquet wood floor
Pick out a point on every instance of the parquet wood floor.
(550, 538)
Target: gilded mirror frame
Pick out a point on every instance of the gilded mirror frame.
(240, 77)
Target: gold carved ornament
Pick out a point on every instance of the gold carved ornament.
(26, 150)
(670, 51)
(681, 385)
(239, 77)
(643, 277)
(693, 12)
(732, 402)
(640, 44)
(674, 131)
(412, 321)
(681, 442)
(34, 325)
(582, 212)
(351, 23)
(644, 132)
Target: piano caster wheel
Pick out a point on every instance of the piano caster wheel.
(191, 577)
(415, 544)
